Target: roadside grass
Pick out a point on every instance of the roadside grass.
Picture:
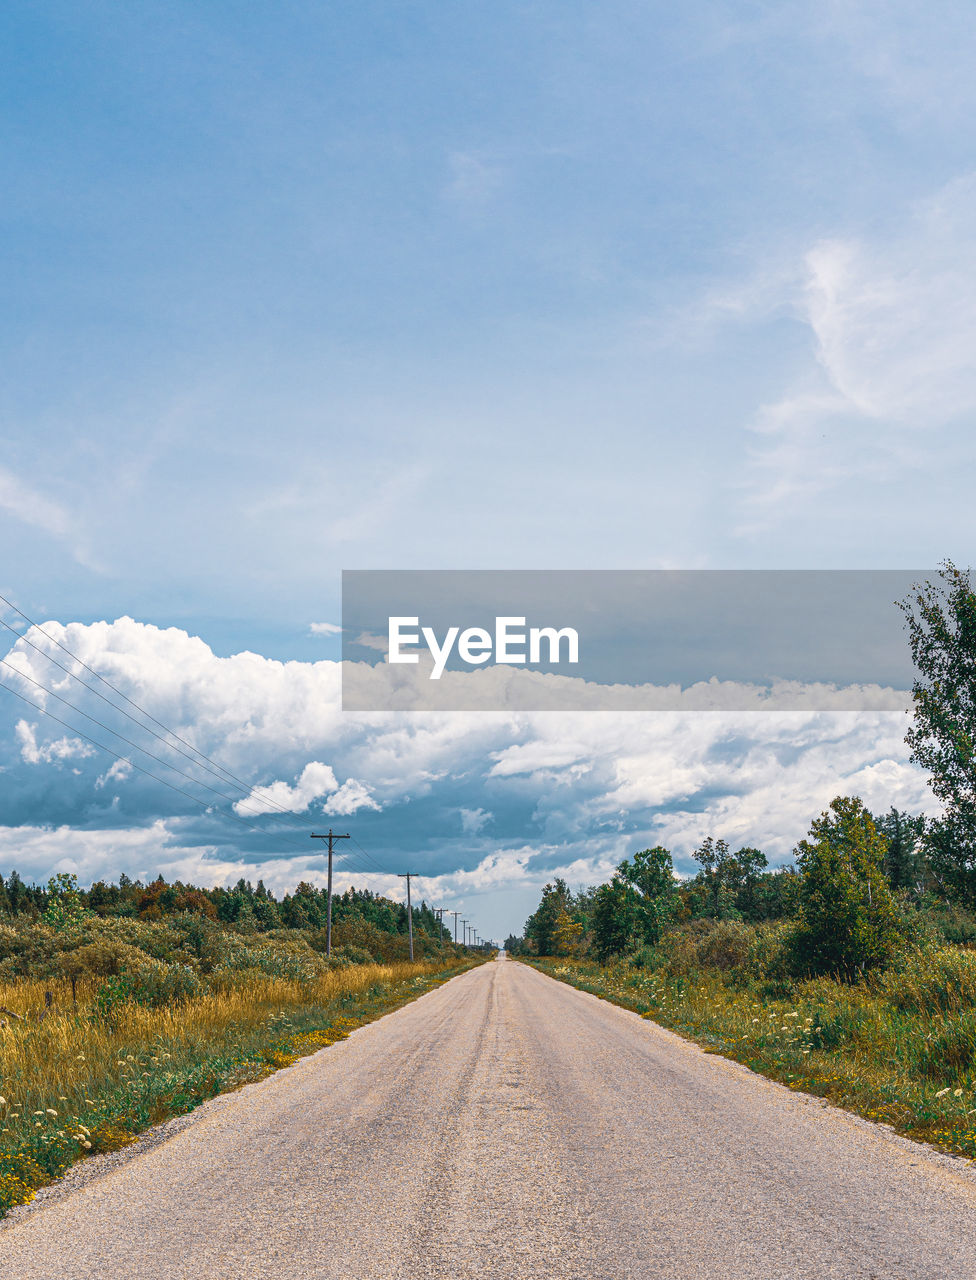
(87, 1078)
(900, 1050)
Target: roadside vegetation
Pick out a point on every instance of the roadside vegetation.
(123, 1005)
(850, 974)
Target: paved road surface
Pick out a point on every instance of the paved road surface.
(507, 1127)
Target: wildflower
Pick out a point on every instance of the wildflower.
(957, 1093)
(80, 1058)
(942, 1092)
(51, 1111)
(62, 1099)
(3, 1102)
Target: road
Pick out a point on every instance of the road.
(508, 1127)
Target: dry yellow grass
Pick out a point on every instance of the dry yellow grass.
(77, 1079)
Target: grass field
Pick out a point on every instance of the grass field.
(899, 1050)
(79, 1078)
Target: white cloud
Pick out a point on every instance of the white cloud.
(581, 788)
(893, 325)
(324, 629)
(474, 821)
(52, 752)
(352, 795)
(118, 772)
(316, 780)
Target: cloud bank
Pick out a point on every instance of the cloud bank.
(485, 806)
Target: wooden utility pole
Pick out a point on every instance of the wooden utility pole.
(405, 875)
(455, 914)
(464, 926)
(328, 916)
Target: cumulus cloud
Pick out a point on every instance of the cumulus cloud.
(53, 751)
(316, 780)
(118, 772)
(535, 794)
(324, 629)
(474, 821)
(350, 797)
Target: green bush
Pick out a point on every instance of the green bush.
(350, 954)
(726, 945)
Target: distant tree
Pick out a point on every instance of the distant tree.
(941, 623)
(903, 858)
(715, 859)
(567, 935)
(540, 928)
(64, 907)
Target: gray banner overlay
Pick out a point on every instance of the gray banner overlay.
(625, 640)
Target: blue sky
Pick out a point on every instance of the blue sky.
(294, 288)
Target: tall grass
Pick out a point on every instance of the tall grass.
(899, 1048)
(86, 1077)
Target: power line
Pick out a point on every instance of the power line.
(74, 657)
(121, 736)
(204, 762)
(132, 764)
(217, 770)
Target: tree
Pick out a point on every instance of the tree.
(848, 920)
(941, 623)
(745, 874)
(64, 906)
(540, 928)
(721, 876)
(651, 875)
(566, 935)
(614, 918)
(902, 860)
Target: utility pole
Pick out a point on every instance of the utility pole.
(328, 917)
(405, 875)
(455, 914)
(440, 913)
(464, 926)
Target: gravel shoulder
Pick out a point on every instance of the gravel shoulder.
(511, 1126)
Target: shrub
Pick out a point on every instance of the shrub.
(726, 945)
(350, 954)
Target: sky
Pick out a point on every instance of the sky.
(295, 288)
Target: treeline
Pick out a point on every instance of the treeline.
(863, 888)
(360, 918)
